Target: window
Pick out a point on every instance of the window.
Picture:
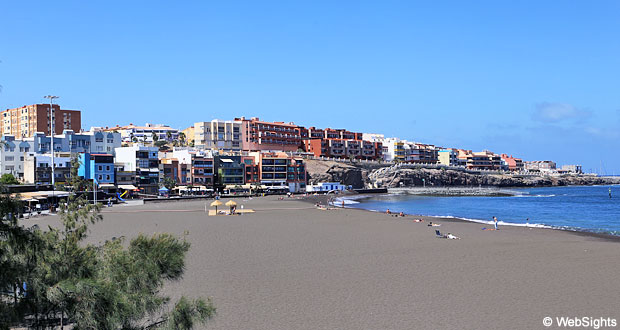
(100, 168)
(100, 177)
(107, 177)
(107, 168)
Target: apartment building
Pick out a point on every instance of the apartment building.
(448, 157)
(230, 171)
(252, 169)
(218, 134)
(514, 164)
(404, 151)
(484, 160)
(14, 151)
(278, 170)
(98, 167)
(378, 141)
(194, 167)
(572, 169)
(27, 120)
(144, 163)
(12, 155)
(339, 143)
(133, 133)
(540, 166)
(260, 135)
(189, 133)
(38, 168)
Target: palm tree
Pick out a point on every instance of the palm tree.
(182, 138)
(169, 136)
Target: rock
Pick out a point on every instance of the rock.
(370, 175)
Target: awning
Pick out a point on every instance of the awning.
(225, 160)
(278, 188)
(31, 195)
(106, 185)
(127, 186)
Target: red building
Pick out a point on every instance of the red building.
(514, 164)
(29, 119)
(260, 135)
(188, 168)
(252, 169)
(340, 143)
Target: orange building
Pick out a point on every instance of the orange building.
(261, 135)
(514, 164)
(340, 143)
(29, 119)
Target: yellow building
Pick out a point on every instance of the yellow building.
(189, 135)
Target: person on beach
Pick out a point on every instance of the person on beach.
(450, 236)
(495, 222)
(388, 211)
(343, 203)
(402, 214)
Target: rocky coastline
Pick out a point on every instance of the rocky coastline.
(377, 175)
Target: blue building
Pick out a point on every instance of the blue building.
(97, 166)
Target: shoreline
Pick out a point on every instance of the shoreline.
(574, 230)
(280, 267)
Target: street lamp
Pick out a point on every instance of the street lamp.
(52, 118)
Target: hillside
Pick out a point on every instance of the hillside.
(367, 175)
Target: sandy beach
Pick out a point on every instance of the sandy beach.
(292, 266)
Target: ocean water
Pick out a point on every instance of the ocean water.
(584, 208)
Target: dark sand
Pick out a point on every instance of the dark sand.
(291, 266)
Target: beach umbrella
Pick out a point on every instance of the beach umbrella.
(216, 204)
(232, 205)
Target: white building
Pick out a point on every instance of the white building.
(572, 169)
(38, 168)
(131, 132)
(218, 134)
(14, 151)
(144, 162)
(327, 186)
(397, 150)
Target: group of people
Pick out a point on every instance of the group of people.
(401, 214)
(430, 224)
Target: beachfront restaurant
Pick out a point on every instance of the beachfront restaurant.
(40, 200)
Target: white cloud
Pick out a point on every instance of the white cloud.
(547, 112)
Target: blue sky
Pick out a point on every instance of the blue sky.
(536, 79)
